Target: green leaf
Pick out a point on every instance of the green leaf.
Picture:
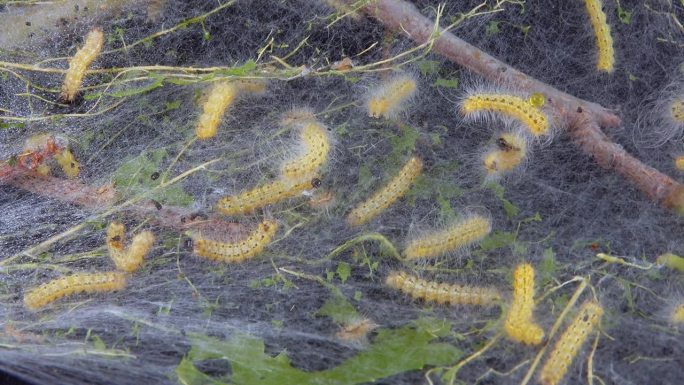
(188, 374)
(242, 70)
(624, 15)
(492, 28)
(548, 267)
(343, 271)
(447, 83)
(428, 67)
(510, 209)
(339, 309)
(403, 144)
(497, 240)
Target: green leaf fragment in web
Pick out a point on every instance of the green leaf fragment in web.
(134, 177)
(339, 309)
(343, 271)
(497, 240)
(447, 83)
(510, 209)
(428, 67)
(404, 143)
(393, 351)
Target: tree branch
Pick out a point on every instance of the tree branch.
(582, 118)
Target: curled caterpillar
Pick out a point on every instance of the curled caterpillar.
(388, 100)
(387, 195)
(510, 153)
(605, 60)
(68, 163)
(239, 251)
(459, 235)
(316, 146)
(73, 284)
(80, 62)
(519, 324)
(128, 260)
(442, 293)
(261, 196)
(516, 107)
(570, 342)
(221, 96)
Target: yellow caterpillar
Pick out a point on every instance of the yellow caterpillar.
(442, 293)
(570, 342)
(388, 100)
(459, 235)
(604, 42)
(128, 260)
(68, 163)
(221, 96)
(532, 117)
(511, 152)
(316, 146)
(677, 110)
(679, 163)
(519, 324)
(73, 284)
(241, 250)
(261, 196)
(677, 316)
(79, 64)
(387, 195)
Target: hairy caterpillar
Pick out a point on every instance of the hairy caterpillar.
(73, 284)
(68, 163)
(570, 342)
(604, 41)
(80, 62)
(519, 324)
(261, 196)
(128, 260)
(456, 236)
(389, 98)
(677, 110)
(239, 251)
(679, 163)
(356, 330)
(316, 145)
(532, 117)
(387, 195)
(510, 153)
(221, 96)
(677, 316)
(442, 293)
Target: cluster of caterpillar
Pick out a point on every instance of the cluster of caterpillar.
(239, 251)
(526, 112)
(519, 324)
(389, 98)
(605, 60)
(459, 235)
(570, 342)
(221, 95)
(442, 293)
(73, 284)
(386, 196)
(79, 64)
(128, 260)
(510, 152)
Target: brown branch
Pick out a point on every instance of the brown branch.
(582, 118)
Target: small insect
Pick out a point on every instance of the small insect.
(155, 175)
(316, 183)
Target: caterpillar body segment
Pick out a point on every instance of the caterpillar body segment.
(677, 317)
(442, 293)
(388, 194)
(68, 163)
(263, 195)
(605, 60)
(128, 259)
(77, 283)
(239, 251)
(677, 110)
(519, 324)
(79, 64)
(570, 342)
(510, 105)
(459, 235)
(316, 147)
(221, 95)
(511, 151)
(388, 100)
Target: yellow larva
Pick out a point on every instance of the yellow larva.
(570, 342)
(388, 100)
(221, 96)
(80, 62)
(261, 196)
(238, 251)
(73, 284)
(677, 317)
(679, 163)
(511, 152)
(442, 293)
(604, 41)
(532, 117)
(128, 260)
(677, 110)
(519, 324)
(459, 235)
(68, 163)
(387, 195)
(316, 146)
